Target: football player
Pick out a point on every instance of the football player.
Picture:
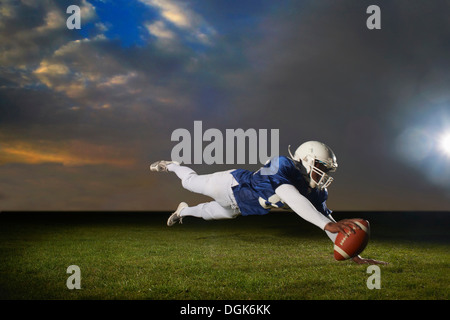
(299, 183)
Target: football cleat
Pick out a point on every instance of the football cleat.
(161, 166)
(175, 217)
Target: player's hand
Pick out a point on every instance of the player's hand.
(346, 226)
(360, 260)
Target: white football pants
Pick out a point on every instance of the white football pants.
(216, 185)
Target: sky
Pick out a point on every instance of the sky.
(83, 112)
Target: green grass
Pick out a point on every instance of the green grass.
(277, 257)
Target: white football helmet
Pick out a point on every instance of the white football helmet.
(318, 160)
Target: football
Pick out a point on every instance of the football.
(346, 247)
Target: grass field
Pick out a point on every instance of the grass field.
(278, 256)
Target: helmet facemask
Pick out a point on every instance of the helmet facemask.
(320, 178)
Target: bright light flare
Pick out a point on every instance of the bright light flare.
(444, 143)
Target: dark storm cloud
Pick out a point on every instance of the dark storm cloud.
(318, 73)
(97, 73)
(30, 30)
(92, 88)
(84, 114)
(309, 68)
(324, 61)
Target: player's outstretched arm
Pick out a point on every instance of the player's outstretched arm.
(301, 205)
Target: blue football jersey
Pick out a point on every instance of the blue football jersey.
(255, 194)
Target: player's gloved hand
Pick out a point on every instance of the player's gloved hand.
(346, 226)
